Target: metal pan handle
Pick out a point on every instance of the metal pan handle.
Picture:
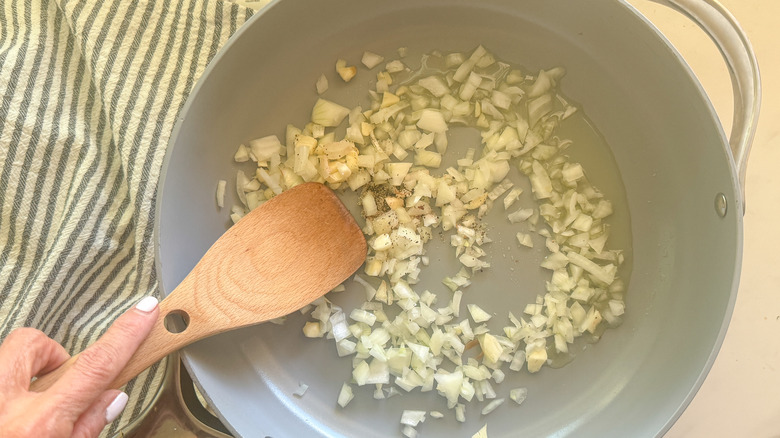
(724, 30)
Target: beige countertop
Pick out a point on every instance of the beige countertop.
(741, 395)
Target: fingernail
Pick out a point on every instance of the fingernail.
(147, 304)
(115, 408)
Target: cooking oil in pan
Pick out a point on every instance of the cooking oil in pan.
(515, 277)
(592, 151)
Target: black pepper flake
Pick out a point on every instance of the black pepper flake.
(380, 192)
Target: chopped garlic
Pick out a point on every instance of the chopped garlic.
(345, 72)
(491, 347)
(313, 329)
(535, 356)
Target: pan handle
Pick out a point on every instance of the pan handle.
(724, 30)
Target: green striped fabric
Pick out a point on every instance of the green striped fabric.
(90, 91)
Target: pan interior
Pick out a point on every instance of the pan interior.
(666, 162)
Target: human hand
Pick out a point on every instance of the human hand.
(80, 403)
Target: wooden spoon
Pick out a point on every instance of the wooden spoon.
(277, 259)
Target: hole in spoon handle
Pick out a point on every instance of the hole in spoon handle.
(172, 331)
(176, 321)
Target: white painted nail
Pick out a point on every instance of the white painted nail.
(147, 304)
(115, 408)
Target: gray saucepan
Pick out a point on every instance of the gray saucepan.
(680, 203)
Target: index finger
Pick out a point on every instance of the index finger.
(95, 368)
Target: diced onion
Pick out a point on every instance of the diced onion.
(242, 154)
(322, 84)
(371, 60)
(302, 388)
(518, 360)
(412, 418)
(477, 314)
(518, 395)
(520, 215)
(460, 412)
(435, 85)
(482, 433)
(221, 193)
(431, 120)
(345, 396)
(327, 113)
(427, 158)
(391, 151)
(490, 407)
(449, 384)
(265, 148)
(604, 274)
(409, 432)
(395, 66)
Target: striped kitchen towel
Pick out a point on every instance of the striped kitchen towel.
(89, 94)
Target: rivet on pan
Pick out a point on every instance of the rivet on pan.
(721, 205)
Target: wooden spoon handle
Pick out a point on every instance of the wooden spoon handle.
(156, 346)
